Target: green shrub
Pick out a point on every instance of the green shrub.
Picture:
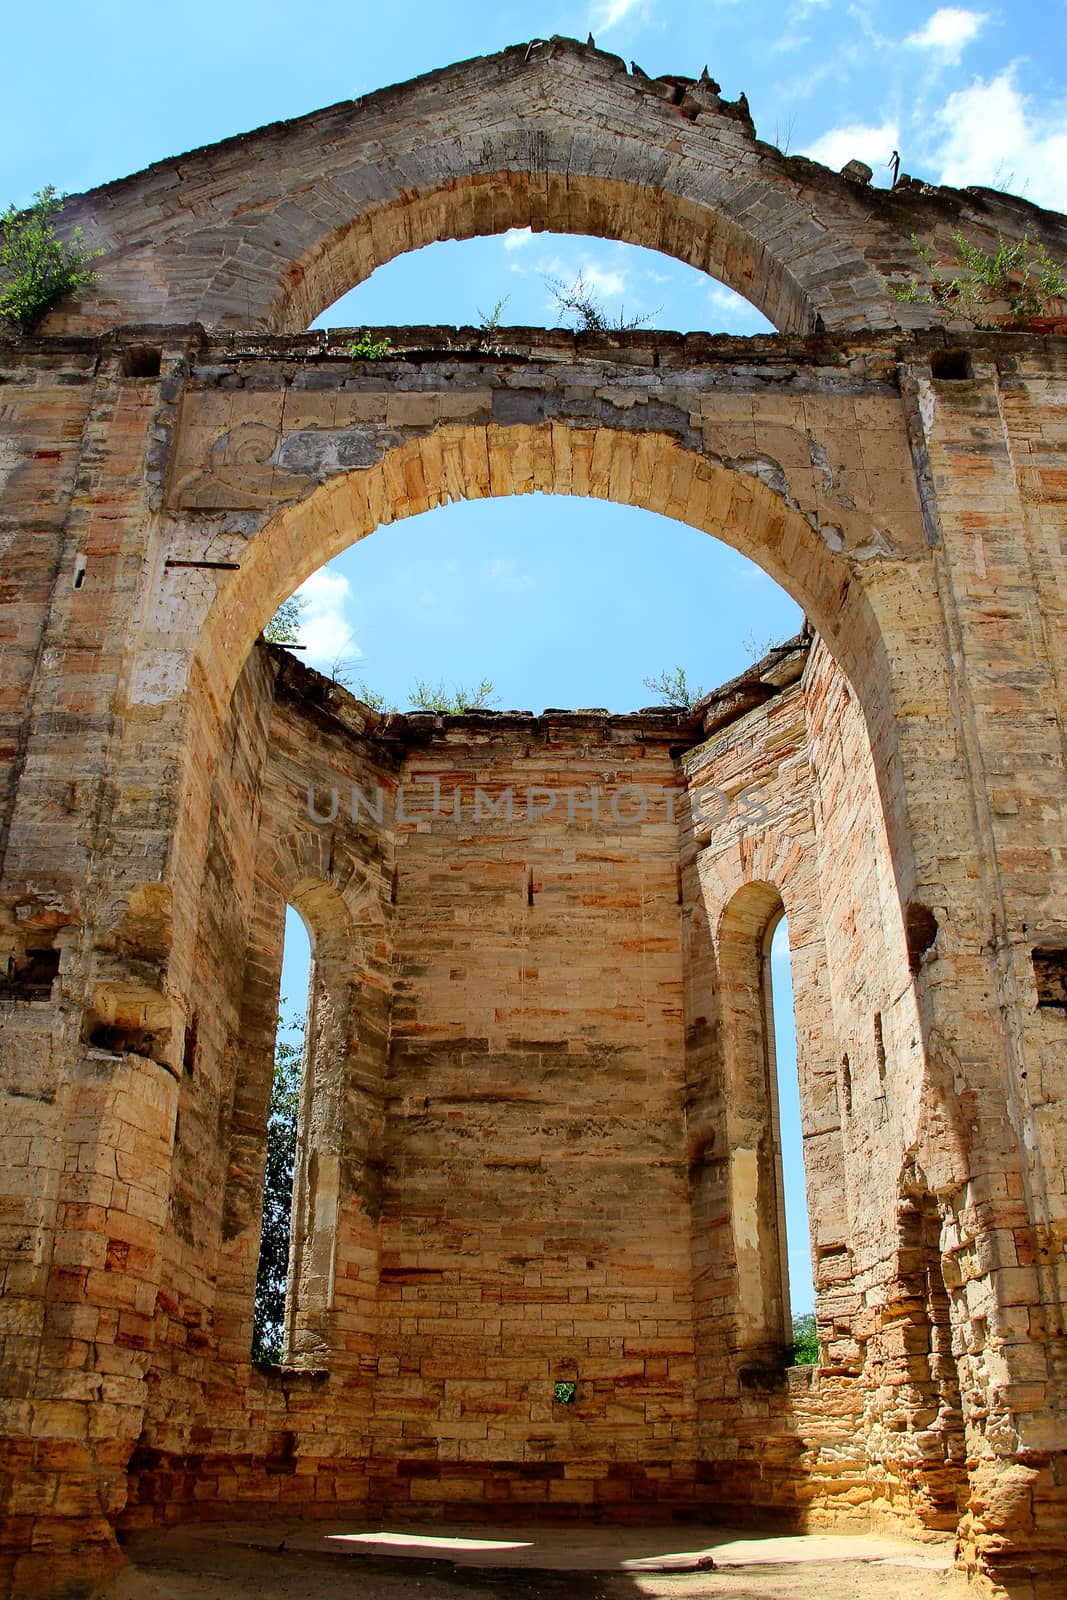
(367, 349)
(427, 697)
(37, 268)
(805, 1341)
(675, 688)
(1016, 272)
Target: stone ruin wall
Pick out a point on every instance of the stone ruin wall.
(515, 1174)
(537, 1179)
(908, 488)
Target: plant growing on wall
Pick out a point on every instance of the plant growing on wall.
(489, 321)
(675, 688)
(373, 698)
(268, 1321)
(367, 349)
(578, 300)
(36, 267)
(427, 697)
(1017, 273)
(756, 648)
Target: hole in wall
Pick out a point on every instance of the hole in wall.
(565, 1392)
(920, 931)
(189, 1048)
(142, 361)
(121, 1039)
(879, 1049)
(1050, 975)
(30, 977)
(846, 1086)
(801, 1288)
(953, 365)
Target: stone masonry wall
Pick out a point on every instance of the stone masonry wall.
(916, 511)
(548, 1186)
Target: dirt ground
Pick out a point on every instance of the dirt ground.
(294, 1561)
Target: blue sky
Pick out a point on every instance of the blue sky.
(559, 602)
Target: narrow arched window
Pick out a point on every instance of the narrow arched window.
(763, 1137)
(271, 1321)
(794, 1218)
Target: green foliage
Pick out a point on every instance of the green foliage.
(427, 697)
(578, 300)
(565, 1392)
(37, 268)
(372, 698)
(1017, 273)
(805, 1341)
(268, 1322)
(284, 626)
(367, 349)
(489, 321)
(756, 648)
(675, 689)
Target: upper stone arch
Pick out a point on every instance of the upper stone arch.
(265, 230)
(474, 461)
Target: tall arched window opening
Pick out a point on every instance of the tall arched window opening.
(274, 1272)
(763, 1126)
(793, 1209)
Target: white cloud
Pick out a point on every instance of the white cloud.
(860, 141)
(990, 137)
(732, 313)
(609, 12)
(789, 41)
(603, 280)
(948, 31)
(516, 238)
(324, 624)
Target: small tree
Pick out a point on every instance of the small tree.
(373, 698)
(805, 1351)
(578, 300)
(36, 267)
(675, 689)
(426, 697)
(284, 626)
(268, 1320)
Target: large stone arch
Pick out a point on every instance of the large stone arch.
(855, 602)
(855, 608)
(626, 464)
(266, 230)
